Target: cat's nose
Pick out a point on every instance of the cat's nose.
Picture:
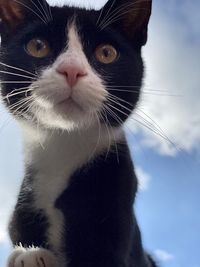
(72, 72)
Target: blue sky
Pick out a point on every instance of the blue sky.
(168, 201)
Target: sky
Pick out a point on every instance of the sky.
(166, 158)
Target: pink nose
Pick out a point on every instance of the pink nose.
(73, 73)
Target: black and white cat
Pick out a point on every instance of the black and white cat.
(66, 77)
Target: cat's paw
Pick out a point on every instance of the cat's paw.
(31, 257)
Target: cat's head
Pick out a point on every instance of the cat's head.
(65, 67)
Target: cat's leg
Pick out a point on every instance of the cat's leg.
(31, 257)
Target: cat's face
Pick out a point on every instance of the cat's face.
(69, 67)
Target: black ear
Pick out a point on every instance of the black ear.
(11, 13)
(132, 16)
(14, 13)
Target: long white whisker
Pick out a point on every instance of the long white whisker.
(48, 8)
(155, 130)
(19, 69)
(120, 11)
(16, 104)
(107, 14)
(113, 114)
(22, 108)
(16, 74)
(148, 123)
(120, 99)
(4, 82)
(119, 17)
(29, 8)
(146, 92)
(100, 16)
(18, 93)
(44, 15)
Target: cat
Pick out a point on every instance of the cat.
(71, 77)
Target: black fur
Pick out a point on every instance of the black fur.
(101, 230)
(28, 226)
(98, 207)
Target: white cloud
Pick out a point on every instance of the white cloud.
(86, 3)
(143, 179)
(3, 236)
(172, 58)
(163, 255)
(172, 61)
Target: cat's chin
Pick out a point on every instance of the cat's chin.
(68, 106)
(65, 115)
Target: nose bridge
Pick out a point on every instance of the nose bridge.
(72, 57)
(72, 67)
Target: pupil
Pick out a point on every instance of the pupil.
(106, 52)
(39, 45)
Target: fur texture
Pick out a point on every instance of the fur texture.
(67, 78)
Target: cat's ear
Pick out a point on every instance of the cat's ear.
(14, 13)
(131, 16)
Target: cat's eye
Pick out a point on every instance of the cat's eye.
(38, 48)
(106, 54)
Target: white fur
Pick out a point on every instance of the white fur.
(54, 154)
(85, 98)
(61, 154)
(32, 257)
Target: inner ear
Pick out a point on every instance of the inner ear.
(15, 12)
(11, 13)
(135, 22)
(132, 16)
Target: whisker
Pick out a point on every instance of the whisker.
(153, 121)
(120, 99)
(151, 125)
(11, 107)
(44, 15)
(147, 92)
(18, 93)
(48, 8)
(154, 130)
(114, 19)
(107, 14)
(113, 114)
(19, 69)
(29, 8)
(22, 113)
(119, 12)
(16, 74)
(120, 8)
(100, 15)
(4, 82)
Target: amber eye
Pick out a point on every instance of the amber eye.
(38, 48)
(106, 54)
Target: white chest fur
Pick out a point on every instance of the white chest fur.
(61, 154)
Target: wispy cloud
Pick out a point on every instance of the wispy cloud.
(163, 255)
(143, 179)
(172, 59)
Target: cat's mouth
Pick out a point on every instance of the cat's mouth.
(67, 105)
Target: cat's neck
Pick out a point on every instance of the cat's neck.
(56, 150)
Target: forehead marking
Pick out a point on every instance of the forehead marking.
(74, 41)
